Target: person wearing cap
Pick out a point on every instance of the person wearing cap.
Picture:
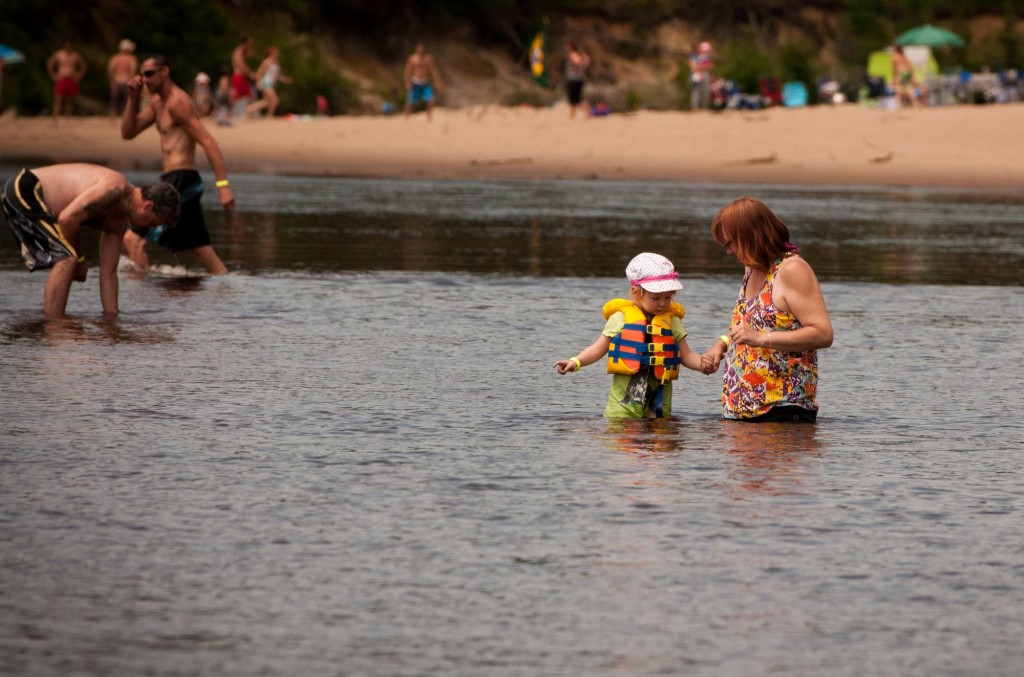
(644, 340)
(778, 324)
(700, 77)
(121, 68)
(202, 94)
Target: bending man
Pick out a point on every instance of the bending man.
(47, 207)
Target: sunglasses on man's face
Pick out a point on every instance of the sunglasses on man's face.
(150, 73)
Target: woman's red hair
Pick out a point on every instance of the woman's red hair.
(753, 231)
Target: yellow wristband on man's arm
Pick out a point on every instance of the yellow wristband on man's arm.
(576, 361)
(724, 338)
(222, 183)
(80, 259)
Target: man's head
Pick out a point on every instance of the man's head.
(155, 204)
(155, 72)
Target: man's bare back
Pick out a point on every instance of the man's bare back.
(107, 208)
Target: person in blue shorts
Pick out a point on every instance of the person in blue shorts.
(420, 68)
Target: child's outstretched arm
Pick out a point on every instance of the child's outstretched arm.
(589, 355)
(713, 357)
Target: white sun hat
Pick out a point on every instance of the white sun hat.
(653, 272)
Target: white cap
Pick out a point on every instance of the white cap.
(653, 272)
(202, 78)
(126, 45)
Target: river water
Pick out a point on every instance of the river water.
(352, 455)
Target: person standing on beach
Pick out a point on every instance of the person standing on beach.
(66, 67)
(778, 324)
(701, 66)
(903, 79)
(121, 68)
(576, 65)
(241, 74)
(419, 69)
(173, 112)
(47, 208)
(267, 76)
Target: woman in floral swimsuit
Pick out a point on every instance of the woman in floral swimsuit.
(778, 324)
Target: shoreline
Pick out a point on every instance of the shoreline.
(961, 147)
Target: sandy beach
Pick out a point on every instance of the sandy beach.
(975, 147)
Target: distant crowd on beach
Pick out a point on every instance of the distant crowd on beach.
(897, 76)
(239, 87)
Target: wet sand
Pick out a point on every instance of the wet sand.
(956, 147)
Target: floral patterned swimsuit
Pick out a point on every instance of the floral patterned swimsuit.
(757, 379)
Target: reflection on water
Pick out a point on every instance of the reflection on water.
(100, 329)
(588, 229)
(771, 458)
(561, 228)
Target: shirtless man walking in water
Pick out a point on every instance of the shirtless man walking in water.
(419, 68)
(173, 112)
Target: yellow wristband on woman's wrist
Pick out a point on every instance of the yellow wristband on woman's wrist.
(576, 361)
(724, 338)
(223, 183)
(80, 259)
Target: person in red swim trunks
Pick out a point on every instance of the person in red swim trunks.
(66, 67)
(241, 74)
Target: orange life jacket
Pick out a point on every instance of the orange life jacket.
(643, 343)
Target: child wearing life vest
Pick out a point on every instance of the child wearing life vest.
(644, 340)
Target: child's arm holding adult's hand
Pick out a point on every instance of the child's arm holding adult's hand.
(713, 357)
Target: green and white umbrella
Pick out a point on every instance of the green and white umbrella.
(930, 36)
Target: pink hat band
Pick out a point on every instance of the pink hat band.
(655, 278)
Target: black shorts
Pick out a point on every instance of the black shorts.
(191, 231)
(785, 414)
(32, 223)
(574, 88)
